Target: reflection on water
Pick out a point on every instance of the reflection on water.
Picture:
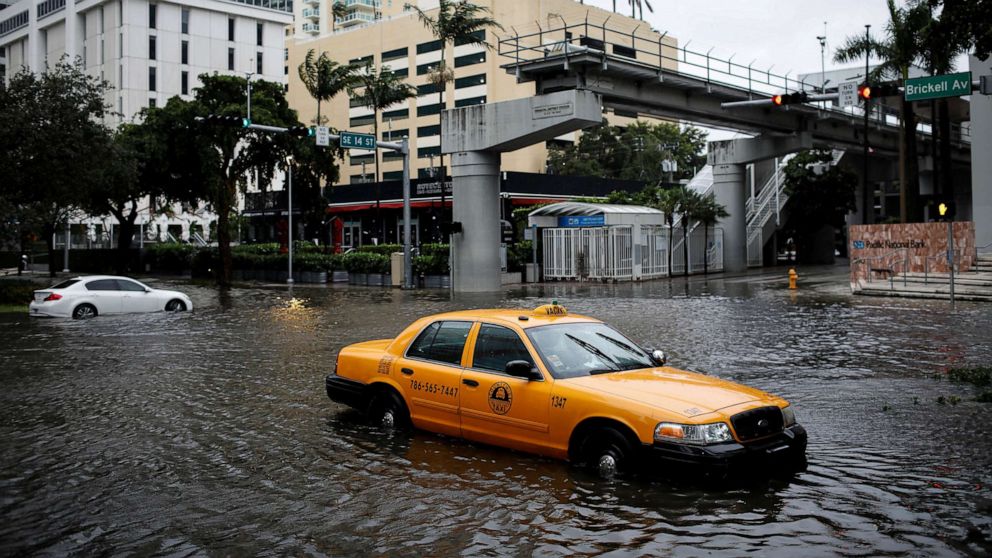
(209, 432)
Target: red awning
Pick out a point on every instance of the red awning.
(349, 208)
(385, 205)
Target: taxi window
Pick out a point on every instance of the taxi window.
(496, 346)
(102, 285)
(441, 342)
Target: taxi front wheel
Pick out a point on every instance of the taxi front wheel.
(607, 453)
(387, 411)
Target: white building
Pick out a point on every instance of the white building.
(148, 51)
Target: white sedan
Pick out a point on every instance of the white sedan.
(86, 297)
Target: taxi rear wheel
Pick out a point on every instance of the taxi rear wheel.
(607, 453)
(387, 411)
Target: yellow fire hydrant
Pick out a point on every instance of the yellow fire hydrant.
(793, 276)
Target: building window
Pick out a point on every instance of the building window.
(429, 47)
(359, 159)
(361, 61)
(185, 23)
(425, 131)
(258, 34)
(151, 102)
(392, 175)
(258, 63)
(152, 15)
(395, 54)
(395, 114)
(362, 120)
(230, 29)
(151, 78)
(426, 152)
(390, 135)
(470, 81)
(184, 82)
(470, 101)
(430, 109)
(470, 59)
(426, 89)
(230, 58)
(184, 52)
(151, 47)
(479, 35)
(403, 72)
(424, 68)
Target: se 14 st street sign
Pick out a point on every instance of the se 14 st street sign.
(936, 87)
(358, 141)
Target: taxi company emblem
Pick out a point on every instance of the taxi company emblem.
(500, 398)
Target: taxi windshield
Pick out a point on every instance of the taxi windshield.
(584, 349)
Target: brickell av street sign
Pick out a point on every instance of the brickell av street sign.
(936, 87)
(358, 141)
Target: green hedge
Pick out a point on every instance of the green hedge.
(382, 249)
(206, 260)
(365, 262)
(433, 264)
(519, 254)
(170, 257)
(17, 291)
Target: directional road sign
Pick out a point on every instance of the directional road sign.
(848, 93)
(323, 136)
(936, 87)
(359, 141)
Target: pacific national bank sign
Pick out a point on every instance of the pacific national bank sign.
(879, 250)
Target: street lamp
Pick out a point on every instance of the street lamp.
(289, 191)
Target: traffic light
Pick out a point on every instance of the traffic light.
(790, 98)
(868, 91)
(226, 120)
(300, 131)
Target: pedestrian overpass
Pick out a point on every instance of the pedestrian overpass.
(581, 68)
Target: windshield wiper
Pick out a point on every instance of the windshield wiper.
(621, 344)
(594, 350)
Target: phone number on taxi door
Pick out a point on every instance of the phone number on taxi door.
(431, 387)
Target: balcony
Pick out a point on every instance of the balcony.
(355, 18)
(312, 2)
(364, 5)
(311, 13)
(313, 28)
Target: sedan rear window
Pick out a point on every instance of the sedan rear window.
(102, 285)
(65, 284)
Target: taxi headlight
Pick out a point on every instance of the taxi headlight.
(692, 433)
(788, 416)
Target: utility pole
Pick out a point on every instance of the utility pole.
(867, 211)
(289, 204)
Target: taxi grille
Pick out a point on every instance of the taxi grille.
(757, 423)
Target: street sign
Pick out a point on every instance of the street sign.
(323, 136)
(848, 93)
(358, 141)
(936, 87)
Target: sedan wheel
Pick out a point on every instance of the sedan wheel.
(84, 311)
(175, 306)
(607, 453)
(387, 411)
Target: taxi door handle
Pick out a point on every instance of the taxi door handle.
(407, 371)
(470, 383)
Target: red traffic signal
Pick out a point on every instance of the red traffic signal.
(790, 98)
(868, 91)
(864, 91)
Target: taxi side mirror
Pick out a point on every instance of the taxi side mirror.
(658, 356)
(523, 369)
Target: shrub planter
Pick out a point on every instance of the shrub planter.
(376, 279)
(435, 282)
(340, 277)
(358, 279)
(313, 277)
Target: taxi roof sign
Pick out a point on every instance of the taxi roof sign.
(553, 309)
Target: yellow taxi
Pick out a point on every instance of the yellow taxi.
(566, 386)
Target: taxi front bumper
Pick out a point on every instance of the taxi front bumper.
(785, 449)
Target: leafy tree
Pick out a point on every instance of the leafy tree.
(225, 158)
(338, 10)
(666, 200)
(964, 24)
(898, 50)
(688, 207)
(50, 136)
(631, 153)
(324, 78)
(820, 195)
(456, 21)
(313, 166)
(709, 213)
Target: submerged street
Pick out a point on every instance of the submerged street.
(210, 432)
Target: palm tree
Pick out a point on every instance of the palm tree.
(635, 5)
(689, 202)
(378, 91)
(708, 213)
(338, 10)
(324, 78)
(898, 50)
(455, 21)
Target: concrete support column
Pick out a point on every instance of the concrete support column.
(729, 186)
(981, 163)
(475, 201)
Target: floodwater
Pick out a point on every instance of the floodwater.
(209, 433)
